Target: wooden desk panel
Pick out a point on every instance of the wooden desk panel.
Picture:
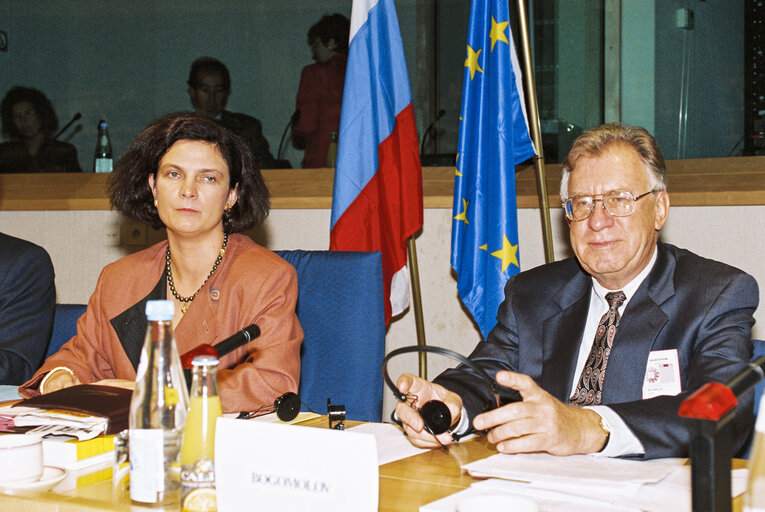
(699, 182)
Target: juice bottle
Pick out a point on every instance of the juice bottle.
(198, 447)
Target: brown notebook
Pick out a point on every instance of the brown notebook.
(108, 402)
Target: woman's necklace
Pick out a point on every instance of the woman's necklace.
(187, 300)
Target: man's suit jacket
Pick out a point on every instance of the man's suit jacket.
(700, 307)
(251, 131)
(27, 303)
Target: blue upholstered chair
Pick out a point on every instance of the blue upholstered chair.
(340, 307)
(64, 325)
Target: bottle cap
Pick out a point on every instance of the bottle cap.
(205, 361)
(160, 310)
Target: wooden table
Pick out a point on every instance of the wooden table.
(405, 485)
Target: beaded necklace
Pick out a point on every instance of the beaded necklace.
(168, 269)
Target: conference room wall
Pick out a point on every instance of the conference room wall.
(734, 234)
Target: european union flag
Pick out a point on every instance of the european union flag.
(493, 138)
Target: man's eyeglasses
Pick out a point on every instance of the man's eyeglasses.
(618, 203)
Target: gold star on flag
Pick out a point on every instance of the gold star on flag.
(508, 254)
(498, 32)
(463, 216)
(472, 61)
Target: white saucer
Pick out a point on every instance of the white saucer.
(49, 478)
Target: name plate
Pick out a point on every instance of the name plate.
(266, 466)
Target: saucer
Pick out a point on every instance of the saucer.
(49, 478)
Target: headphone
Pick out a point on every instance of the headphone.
(435, 414)
(286, 407)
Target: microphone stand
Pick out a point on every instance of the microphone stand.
(429, 129)
(293, 119)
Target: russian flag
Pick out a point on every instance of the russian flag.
(377, 198)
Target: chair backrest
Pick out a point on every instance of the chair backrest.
(64, 325)
(340, 307)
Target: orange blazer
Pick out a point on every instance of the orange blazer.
(251, 285)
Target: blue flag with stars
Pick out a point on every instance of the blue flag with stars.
(493, 138)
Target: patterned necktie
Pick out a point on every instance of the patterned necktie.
(590, 387)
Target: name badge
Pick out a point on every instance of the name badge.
(662, 374)
(266, 466)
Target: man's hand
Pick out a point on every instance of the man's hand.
(411, 419)
(540, 423)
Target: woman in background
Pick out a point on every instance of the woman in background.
(320, 94)
(29, 122)
(200, 182)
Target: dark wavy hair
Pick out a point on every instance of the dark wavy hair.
(332, 26)
(41, 104)
(129, 190)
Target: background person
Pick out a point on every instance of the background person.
(209, 88)
(320, 94)
(29, 122)
(673, 314)
(199, 181)
(27, 304)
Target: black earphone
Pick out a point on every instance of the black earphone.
(286, 407)
(435, 414)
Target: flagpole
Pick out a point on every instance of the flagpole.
(417, 304)
(536, 133)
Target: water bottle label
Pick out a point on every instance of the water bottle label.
(103, 165)
(147, 472)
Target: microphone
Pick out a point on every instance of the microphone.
(430, 128)
(714, 400)
(294, 118)
(231, 343)
(62, 130)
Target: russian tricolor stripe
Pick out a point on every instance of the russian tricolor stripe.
(377, 198)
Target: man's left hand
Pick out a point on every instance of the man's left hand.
(540, 422)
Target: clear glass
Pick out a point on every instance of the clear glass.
(332, 150)
(754, 498)
(157, 418)
(198, 448)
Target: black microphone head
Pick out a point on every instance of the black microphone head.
(436, 416)
(287, 406)
(76, 116)
(440, 114)
(253, 331)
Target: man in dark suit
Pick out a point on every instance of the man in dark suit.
(664, 321)
(27, 303)
(209, 88)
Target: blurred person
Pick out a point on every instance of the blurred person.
(320, 94)
(199, 181)
(209, 88)
(29, 122)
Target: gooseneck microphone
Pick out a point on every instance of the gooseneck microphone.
(230, 344)
(67, 125)
(294, 118)
(430, 129)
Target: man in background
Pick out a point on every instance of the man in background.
(209, 88)
(27, 304)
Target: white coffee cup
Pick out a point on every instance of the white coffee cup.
(21, 458)
(496, 503)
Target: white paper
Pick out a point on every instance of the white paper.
(392, 443)
(267, 466)
(602, 475)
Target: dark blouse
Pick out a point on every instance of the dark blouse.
(53, 156)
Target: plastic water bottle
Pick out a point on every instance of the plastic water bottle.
(102, 160)
(157, 412)
(754, 498)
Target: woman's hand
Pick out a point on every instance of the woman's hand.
(58, 378)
